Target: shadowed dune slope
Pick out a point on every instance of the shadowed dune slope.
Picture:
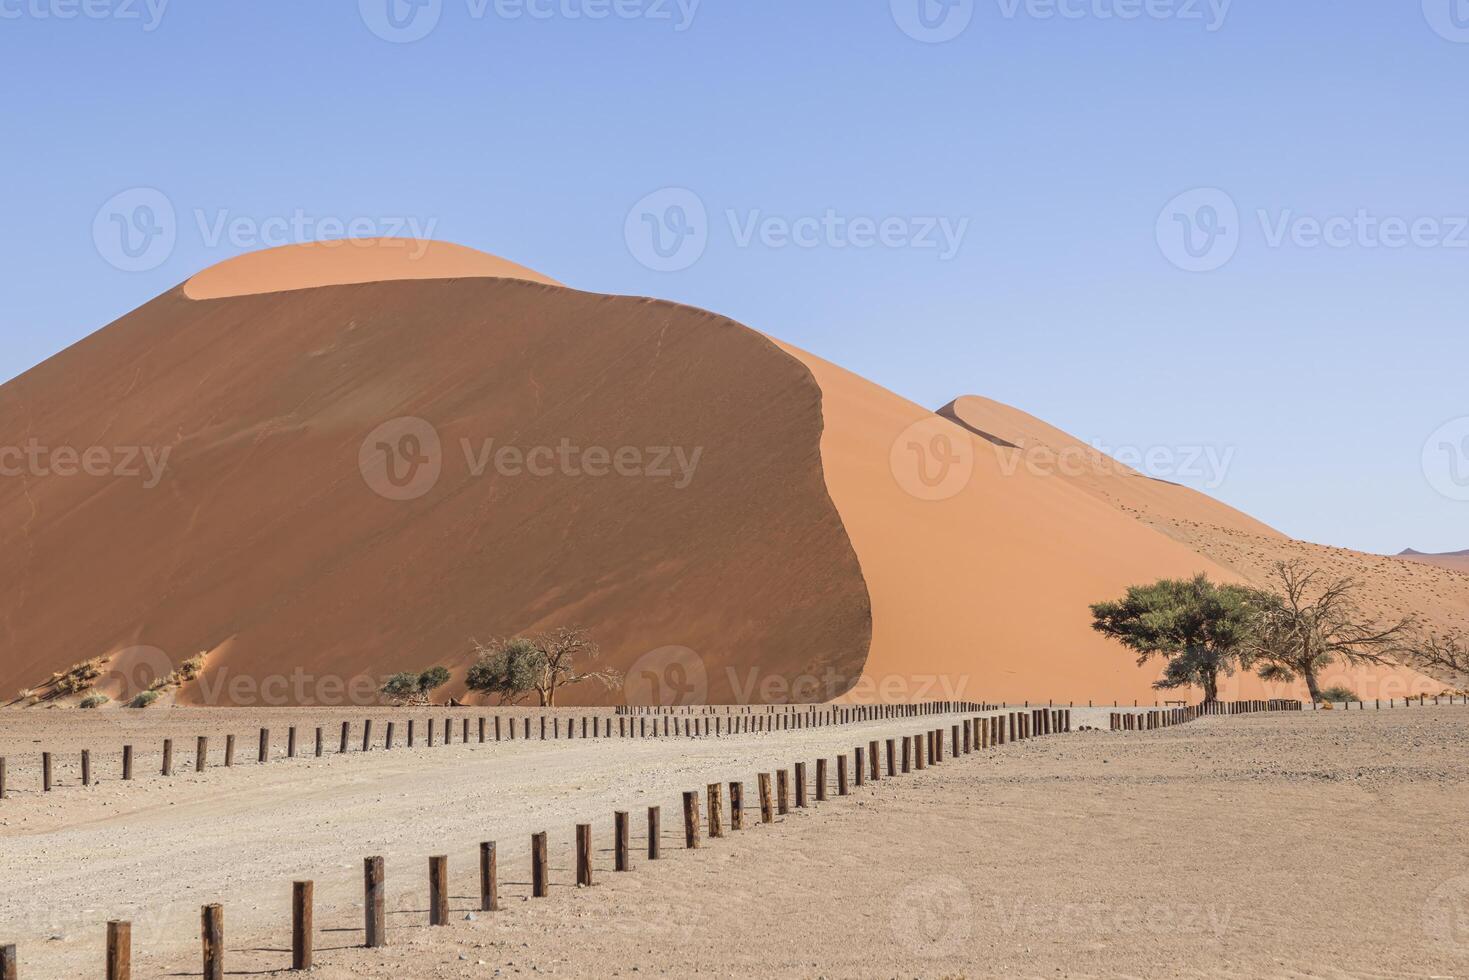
(268, 542)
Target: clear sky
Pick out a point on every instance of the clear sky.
(1227, 232)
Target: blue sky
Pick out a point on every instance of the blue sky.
(1236, 231)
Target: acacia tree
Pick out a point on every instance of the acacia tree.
(1199, 627)
(543, 663)
(1449, 652)
(410, 688)
(1312, 622)
(507, 669)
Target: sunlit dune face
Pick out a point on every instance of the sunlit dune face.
(350, 261)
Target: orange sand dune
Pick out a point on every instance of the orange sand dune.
(332, 507)
(1457, 561)
(345, 261)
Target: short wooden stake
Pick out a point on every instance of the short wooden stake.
(691, 819)
(842, 775)
(374, 897)
(201, 753)
(119, 951)
(438, 890)
(820, 780)
(655, 834)
(229, 751)
(489, 883)
(212, 939)
(736, 805)
(9, 964)
(540, 868)
(767, 807)
(127, 762)
(800, 785)
(859, 766)
(584, 855)
(264, 745)
(715, 793)
(302, 913)
(168, 757)
(782, 792)
(622, 844)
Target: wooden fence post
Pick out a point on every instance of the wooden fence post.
(229, 751)
(800, 785)
(291, 742)
(540, 868)
(892, 748)
(374, 895)
(716, 808)
(655, 834)
(9, 964)
(367, 735)
(820, 780)
(201, 753)
(767, 811)
(212, 937)
(489, 878)
(127, 763)
(691, 819)
(621, 845)
(842, 775)
(45, 772)
(264, 744)
(119, 951)
(782, 792)
(346, 734)
(168, 757)
(302, 931)
(438, 890)
(736, 805)
(584, 855)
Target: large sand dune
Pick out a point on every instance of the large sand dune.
(780, 528)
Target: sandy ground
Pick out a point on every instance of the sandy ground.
(1325, 845)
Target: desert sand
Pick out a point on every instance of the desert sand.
(780, 529)
(1321, 844)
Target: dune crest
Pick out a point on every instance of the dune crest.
(347, 261)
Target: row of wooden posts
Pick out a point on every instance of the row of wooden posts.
(1130, 721)
(499, 728)
(918, 752)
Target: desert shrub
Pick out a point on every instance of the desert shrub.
(144, 700)
(93, 701)
(1339, 693)
(408, 687)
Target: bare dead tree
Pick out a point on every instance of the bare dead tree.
(1313, 621)
(1449, 652)
(569, 653)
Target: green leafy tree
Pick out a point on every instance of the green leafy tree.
(411, 688)
(507, 669)
(1200, 628)
(1312, 622)
(544, 663)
